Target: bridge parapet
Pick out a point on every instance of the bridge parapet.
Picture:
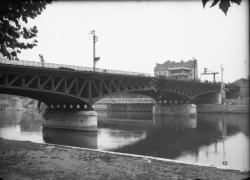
(70, 67)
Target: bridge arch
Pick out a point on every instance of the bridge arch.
(173, 95)
(138, 92)
(205, 97)
(56, 99)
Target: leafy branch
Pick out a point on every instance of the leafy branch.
(14, 17)
(223, 4)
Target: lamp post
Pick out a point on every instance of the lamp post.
(222, 69)
(95, 59)
(222, 90)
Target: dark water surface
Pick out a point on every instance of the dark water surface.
(220, 140)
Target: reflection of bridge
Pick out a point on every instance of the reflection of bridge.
(171, 137)
(166, 137)
(74, 87)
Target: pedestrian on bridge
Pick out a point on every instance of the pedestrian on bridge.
(41, 59)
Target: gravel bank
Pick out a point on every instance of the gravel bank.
(27, 160)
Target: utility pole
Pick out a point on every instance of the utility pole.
(195, 68)
(207, 71)
(95, 59)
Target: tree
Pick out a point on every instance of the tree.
(223, 4)
(14, 32)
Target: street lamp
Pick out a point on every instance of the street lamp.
(222, 69)
(223, 95)
(95, 59)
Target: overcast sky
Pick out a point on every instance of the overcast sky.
(134, 36)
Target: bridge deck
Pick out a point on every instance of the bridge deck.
(70, 67)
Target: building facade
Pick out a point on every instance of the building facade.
(184, 70)
(244, 87)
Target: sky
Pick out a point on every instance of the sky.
(134, 36)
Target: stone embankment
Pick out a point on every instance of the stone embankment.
(26, 160)
(222, 108)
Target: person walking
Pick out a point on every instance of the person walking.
(41, 59)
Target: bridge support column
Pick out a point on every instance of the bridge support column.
(76, 120)
(175, 109)
(221, 96)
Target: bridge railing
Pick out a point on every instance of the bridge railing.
(70, 67)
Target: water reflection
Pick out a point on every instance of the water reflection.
(31, 122)
(212, 139)
(70, 138)
(10, 117)
(21, 125)
(226, 138)
(112, 139)
(208, 139)
(175, 123)
(166, 136)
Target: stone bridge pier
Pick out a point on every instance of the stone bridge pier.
(175, 109)
(72, 117)
(78, 120)
(187, 106)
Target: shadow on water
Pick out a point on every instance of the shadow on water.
(70, 138)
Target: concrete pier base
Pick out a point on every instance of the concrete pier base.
(79, 120)
(176, 109)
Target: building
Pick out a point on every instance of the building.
(244, 87)
(177, 70)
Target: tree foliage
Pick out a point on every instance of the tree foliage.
(223, 4)
(14, 32)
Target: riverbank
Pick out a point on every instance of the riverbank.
(223, 108)
(27, 160)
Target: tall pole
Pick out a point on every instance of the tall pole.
(94, 41)
(221, 77)
(194, 69)
(94, 50)
(222, 85)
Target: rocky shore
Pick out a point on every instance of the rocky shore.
(27, 160)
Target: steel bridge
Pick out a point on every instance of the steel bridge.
(64, 87)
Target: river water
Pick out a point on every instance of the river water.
(220, 140)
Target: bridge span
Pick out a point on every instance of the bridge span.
(74, 88)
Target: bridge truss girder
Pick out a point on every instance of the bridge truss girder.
(58, 89)
(82, 89)
(173, 91)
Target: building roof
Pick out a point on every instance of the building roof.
(241, 81)
(178, 68)
(172, 64)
